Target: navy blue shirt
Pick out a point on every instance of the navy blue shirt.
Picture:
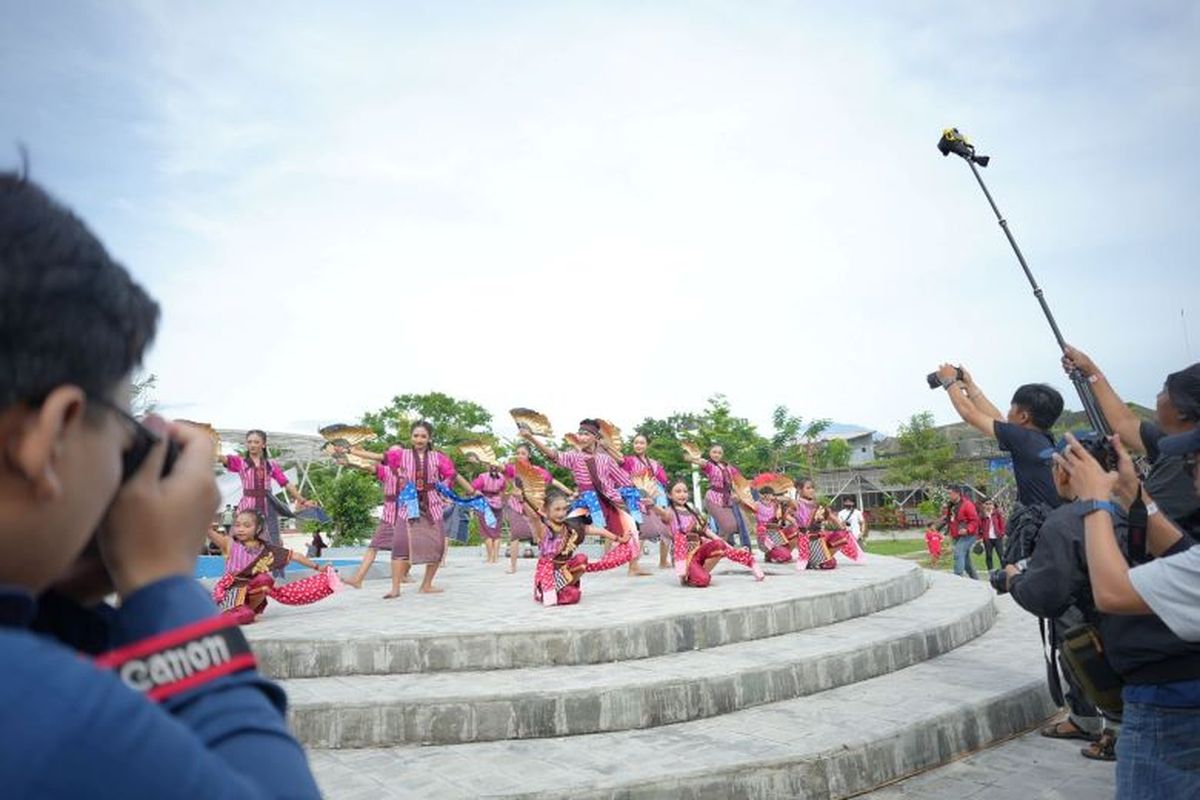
(1035, 482)
(71, 729)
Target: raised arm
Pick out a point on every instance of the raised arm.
(980, 400)
(1123, 421)
(543, 448)
(971, 404)
(370, 455)
(217, 538)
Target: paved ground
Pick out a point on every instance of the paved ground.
(483, 598)
(1029, 767)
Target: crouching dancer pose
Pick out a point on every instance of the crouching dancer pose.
(697, 549)
(559, 532)
(248, 581)
(822, 534)
(90, 506)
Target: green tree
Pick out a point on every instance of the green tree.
(927, 456)
(454, 421)
(348, 497)
(833, 454)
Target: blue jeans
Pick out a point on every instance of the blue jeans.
(1158, 752)
(962, 557)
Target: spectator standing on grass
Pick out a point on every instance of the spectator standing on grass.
(853, 519)
(991, 532)
(962, 523)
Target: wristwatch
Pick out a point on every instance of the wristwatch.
(1090, 506)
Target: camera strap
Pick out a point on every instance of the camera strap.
(1138, 521)
(176, 661)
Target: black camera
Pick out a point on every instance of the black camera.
(954, 142)
(936, 383)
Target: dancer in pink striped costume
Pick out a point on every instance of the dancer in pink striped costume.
(491, 484)
(653, 528)
(560, 568)
(418, 535)
(257, 470)
(697, 549)
(387, 472)
(718, 501)
(822, 534)
(519, 518)
(598, 478)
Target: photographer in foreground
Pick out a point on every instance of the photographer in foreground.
(90, 504)
(1159, 751)
(1142, 651)
(1176, 411)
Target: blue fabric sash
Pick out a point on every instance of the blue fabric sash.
(588, 500)
(633, 502)
(477, 504)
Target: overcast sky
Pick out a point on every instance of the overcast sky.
(619, 209)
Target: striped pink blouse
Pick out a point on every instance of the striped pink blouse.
(255, 481)
(607, 470)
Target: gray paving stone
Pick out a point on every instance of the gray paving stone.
(487, 619)
(835, 743)
(457, 707)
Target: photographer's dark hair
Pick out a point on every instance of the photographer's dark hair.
(1183, 387)
(1043, 403)
(69, 313)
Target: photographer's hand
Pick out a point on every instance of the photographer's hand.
(947, 374)
(1074, 359)
(155, 525)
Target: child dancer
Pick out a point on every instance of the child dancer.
(243, 590)
(256, 471)
(653, 528)
(776, 530)
(387, 472)
(697, 549)
(559, 532)
(933, 543)
(600, 481)
(519, 518)
(822, 534)
(718, 501)
(490, 484)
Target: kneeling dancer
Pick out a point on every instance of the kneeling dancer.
(698, 550)
(250, 559)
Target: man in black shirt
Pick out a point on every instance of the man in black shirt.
(1177, 410)
(1024, 432)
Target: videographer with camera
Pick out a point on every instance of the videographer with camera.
(1134, 650)
(1159, 751)
(159, 697)
(1176, 411)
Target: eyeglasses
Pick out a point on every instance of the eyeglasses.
(143, 441)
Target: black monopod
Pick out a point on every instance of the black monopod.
(954, 142)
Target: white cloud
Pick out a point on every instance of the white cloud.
(348, 205)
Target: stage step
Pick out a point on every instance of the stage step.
(832, 744)
(487, 620)
(460, 707)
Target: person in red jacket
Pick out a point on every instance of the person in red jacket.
(962, 523)
(991, 533)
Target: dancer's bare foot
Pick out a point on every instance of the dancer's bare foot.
(355, 582)
(431, 590)
(391, 595)
(640, 573)
(509, 571)
(407, 579)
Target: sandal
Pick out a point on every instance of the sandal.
(1103, 749)
(1056, 731)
